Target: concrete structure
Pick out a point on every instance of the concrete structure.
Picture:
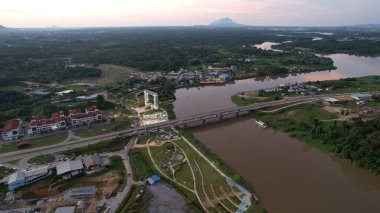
(92, 161)
(153, 105)
(66, 209)
(16, 180)
(22, 178)
(86, 98)
(12, 129)
(80, 193)
(362, 97)
(64, 92)
(67, 169)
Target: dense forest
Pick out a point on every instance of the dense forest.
(357, 141)
(43, 54)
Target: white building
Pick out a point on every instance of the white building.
(39, 124)
(362, 97)
(12, 129)
(77, 118)
(22, 178)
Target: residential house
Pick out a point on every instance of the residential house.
(92, 114)
(12, 129)
(40, 124)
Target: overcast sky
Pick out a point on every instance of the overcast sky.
(93, 13)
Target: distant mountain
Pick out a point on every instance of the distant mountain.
(225, 22)
(2, 27)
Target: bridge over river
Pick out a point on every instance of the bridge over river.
(185, 122)
(216, 116)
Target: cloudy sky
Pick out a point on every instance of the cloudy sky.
(92, 13)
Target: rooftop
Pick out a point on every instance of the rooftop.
(11, 125)
(68, 166)
(66, 209)
(17, 176)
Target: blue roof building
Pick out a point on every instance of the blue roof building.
(16, 180)
(224, 76)
(153, 179)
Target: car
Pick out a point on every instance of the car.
(67, 147)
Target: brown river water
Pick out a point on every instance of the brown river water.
(288, 175)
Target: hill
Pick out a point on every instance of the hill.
(225, 22)
(2, 27)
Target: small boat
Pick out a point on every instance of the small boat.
(261, 123)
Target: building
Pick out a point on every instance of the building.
(12, 129)
(65, 92)
(59, 114)
(224, 76)
(92, 115)
(16, 180)
(67, 169)
(66, 209)
(86, 98)
(362, 97)
(46, 125)
(92, 109)
(80, 193)
(153, 179)
(23, 178)
(92, 161)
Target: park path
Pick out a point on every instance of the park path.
(284, 107)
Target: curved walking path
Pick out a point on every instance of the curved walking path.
(284, 107)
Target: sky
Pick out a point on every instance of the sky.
(102, 13)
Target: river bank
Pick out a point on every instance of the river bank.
(288, 175)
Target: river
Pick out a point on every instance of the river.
(288, 176)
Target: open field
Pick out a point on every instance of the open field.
(350, 85)
(113, 74)
(116, 125)
(179, 164)
(39, 159)
(43, 141)
(105, 146)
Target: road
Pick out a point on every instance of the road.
(115, 202)
(154, 127)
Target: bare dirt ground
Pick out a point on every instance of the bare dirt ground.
(166, 200)
(114, 73)
(105, 184)
(338, 110)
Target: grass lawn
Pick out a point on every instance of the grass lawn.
(76, 88)
(133, 204)
(43, 141)
(351, 85)
(116, 125)
(298, 121)
(4, 171)
(141, 167)
(248, 101)
(39, 159)
(169, 108)
(105, 146)
(112, 74)
(17, 88)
